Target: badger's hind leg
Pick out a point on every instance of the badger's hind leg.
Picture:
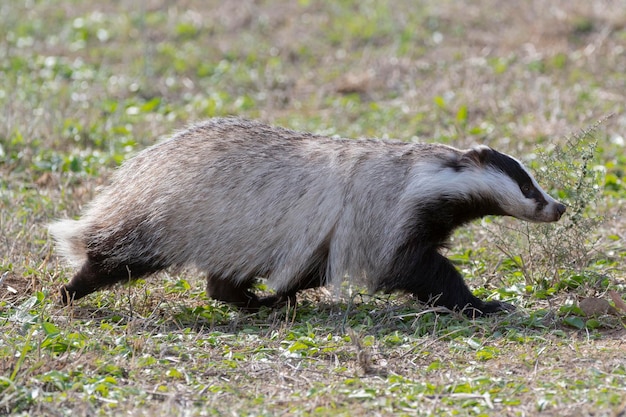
(93, 276)
(433, 279)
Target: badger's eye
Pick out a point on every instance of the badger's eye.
(526, 188)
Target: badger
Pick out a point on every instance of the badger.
(240, 200)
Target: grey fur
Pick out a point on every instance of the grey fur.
(239, 199)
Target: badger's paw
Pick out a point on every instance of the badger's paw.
(278, 301)
(488, 308)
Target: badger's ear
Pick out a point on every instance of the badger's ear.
(476, 156)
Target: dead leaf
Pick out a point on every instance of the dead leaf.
(47, 180)
(593, 306)
(619, 303)
(355, 82)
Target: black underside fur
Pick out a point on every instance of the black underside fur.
(417, 269)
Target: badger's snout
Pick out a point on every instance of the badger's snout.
(559, 210)
(549, 212)
(553, 212)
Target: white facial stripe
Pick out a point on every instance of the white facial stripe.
(511, 198)
(431, 179)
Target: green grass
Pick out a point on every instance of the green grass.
(85, 86)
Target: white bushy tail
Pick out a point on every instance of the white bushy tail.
(67, 235)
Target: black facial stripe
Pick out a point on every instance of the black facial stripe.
(536, 195)
(513, 169)
(507, 165)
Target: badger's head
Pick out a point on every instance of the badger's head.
(505, 182)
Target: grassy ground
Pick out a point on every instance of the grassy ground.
(85, 85)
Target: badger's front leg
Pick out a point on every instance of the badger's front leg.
(237, 294)
(433, 279)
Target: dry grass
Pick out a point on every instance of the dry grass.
(87, 84)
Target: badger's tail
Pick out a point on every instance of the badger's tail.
(68, 235)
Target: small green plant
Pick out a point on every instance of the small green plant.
(550, 254)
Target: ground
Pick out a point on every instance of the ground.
(86, 85)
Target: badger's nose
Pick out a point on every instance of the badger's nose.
(560, 209)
